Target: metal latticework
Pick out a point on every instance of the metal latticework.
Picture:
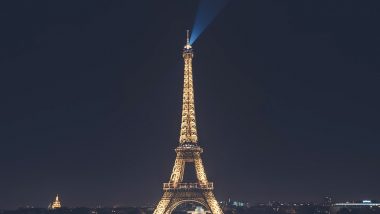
(188, 132)
(175, 191)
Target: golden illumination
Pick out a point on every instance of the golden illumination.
(56, 204)
(188, 132)
(175, 191)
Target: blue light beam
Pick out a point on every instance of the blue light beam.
(207, 11)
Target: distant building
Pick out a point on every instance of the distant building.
(354, 205)
(327, 201)
(56, 204)
(231, 203)
(364, 203)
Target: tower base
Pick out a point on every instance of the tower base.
(173, 198)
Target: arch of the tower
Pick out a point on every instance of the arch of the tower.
(177, 203)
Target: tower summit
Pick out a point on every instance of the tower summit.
(176, 192)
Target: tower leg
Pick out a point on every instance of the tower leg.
(178, 170)
(212, 203)
(163, 205)
(200, 170)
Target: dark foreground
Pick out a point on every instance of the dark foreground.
(257, 209)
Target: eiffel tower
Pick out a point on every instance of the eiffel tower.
(175, 191)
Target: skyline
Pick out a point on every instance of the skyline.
(285, 92)
(56, 203)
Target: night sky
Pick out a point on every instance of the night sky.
(287, 100)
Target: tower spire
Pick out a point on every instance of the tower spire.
(187, 37)
(188, 133)
(187, 46)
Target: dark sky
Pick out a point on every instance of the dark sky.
(287, 100)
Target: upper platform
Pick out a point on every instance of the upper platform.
(188, 186)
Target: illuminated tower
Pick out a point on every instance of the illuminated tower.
(188, 151)
(56, 204)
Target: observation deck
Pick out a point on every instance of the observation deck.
(189, 147)
(188, 152)
(188, 186)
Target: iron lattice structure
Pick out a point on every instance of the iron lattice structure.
(175, 191)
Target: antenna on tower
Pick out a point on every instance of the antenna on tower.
(187, 37)
(187, 46)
